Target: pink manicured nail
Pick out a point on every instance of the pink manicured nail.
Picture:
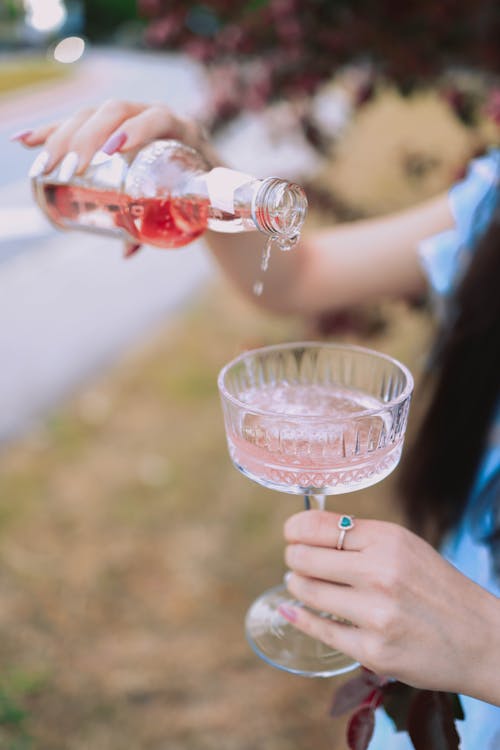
(288, 613)
(20, 135)
(114, 143)
(130, 249)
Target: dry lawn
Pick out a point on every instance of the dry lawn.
(29, 72)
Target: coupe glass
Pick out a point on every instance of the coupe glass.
(311, 419)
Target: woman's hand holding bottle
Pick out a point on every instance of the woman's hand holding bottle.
(165, 193)
(115, 126)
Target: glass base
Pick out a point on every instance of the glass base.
(280, 644)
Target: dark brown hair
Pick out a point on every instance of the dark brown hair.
(439, 470)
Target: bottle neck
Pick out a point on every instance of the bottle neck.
(279, 208)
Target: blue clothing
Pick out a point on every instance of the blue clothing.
(444, 259)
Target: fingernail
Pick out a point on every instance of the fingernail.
(20, 135)
(130, 249)
(68, 166)
(38, 166)
(288, 613)
(114, 143)
(286, 577)
(99, 158)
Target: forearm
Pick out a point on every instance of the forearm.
(344, 265)
(482, 680)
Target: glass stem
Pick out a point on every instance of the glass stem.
(320, 501)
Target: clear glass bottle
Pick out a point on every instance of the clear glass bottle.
(167, 195)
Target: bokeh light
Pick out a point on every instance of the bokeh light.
(69, 50)
(45, 16)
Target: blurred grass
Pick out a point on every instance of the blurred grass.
(27, 72)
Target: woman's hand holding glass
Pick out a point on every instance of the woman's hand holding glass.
(414, 616)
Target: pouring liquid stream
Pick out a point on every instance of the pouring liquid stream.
(284, 244)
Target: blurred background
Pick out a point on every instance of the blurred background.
(129, 546)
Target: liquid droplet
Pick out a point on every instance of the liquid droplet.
(287, 243)
(284, 244)
(266, 254)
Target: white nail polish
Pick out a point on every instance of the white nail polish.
(286, 577)
(39, 164)
(100, 158)
(68, 166)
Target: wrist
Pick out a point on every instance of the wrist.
(483, 662)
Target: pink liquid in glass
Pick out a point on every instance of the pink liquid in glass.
(338, 450)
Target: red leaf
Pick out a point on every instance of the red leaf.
(374, 679)
(431, 724)
(360, 728)
(374, 700)
(351, 695)
(397, 700)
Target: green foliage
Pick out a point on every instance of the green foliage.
(104, 17)
(11, 10)
(11, 714)
(16, 686)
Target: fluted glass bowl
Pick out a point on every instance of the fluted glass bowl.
(311, 419)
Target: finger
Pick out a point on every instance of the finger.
(337, 635)
(56, 143)
(154, 122)
(337, 600)
(321, 529)
(93, 132)
(32, 137)
(336, 566)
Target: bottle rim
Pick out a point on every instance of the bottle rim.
(270, 212)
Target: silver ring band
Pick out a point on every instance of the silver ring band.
(345, 524)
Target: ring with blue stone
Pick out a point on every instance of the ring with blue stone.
(345, 524)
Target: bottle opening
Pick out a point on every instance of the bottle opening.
(279, 208)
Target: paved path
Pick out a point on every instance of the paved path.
(74, 310)
(69, 304)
